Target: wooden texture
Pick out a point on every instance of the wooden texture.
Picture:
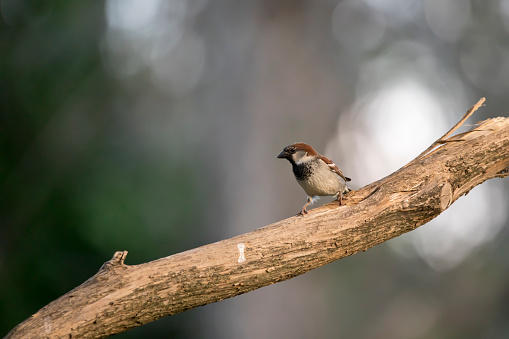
(120, 297)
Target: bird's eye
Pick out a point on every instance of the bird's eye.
(292, 150)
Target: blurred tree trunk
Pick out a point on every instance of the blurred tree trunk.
(120, 297)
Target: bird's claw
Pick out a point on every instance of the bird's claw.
(301, 213)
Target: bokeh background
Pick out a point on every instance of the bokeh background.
(153, 125)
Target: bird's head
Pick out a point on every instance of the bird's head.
(298, 153)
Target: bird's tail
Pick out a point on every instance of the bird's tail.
(346, 190)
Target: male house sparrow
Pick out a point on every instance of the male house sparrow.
(315, 173)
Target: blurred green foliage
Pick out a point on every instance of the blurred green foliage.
(71, 191)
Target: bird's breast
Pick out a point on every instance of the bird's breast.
(322, 183)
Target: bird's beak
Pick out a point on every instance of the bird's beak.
(282, 155)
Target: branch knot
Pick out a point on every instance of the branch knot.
(116, 262)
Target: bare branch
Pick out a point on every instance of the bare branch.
(442, 139)
(120, 297)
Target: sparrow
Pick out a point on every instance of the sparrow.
(315, 173)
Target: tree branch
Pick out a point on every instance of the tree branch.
(120, 297)
(455, 127)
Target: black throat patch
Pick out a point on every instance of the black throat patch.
(302, 172)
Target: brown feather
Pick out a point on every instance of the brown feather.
(333, 167)
(305, 147)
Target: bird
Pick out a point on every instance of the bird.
(315, 173)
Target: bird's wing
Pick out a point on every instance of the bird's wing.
(333, 167)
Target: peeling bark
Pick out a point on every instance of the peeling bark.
(120, 297)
